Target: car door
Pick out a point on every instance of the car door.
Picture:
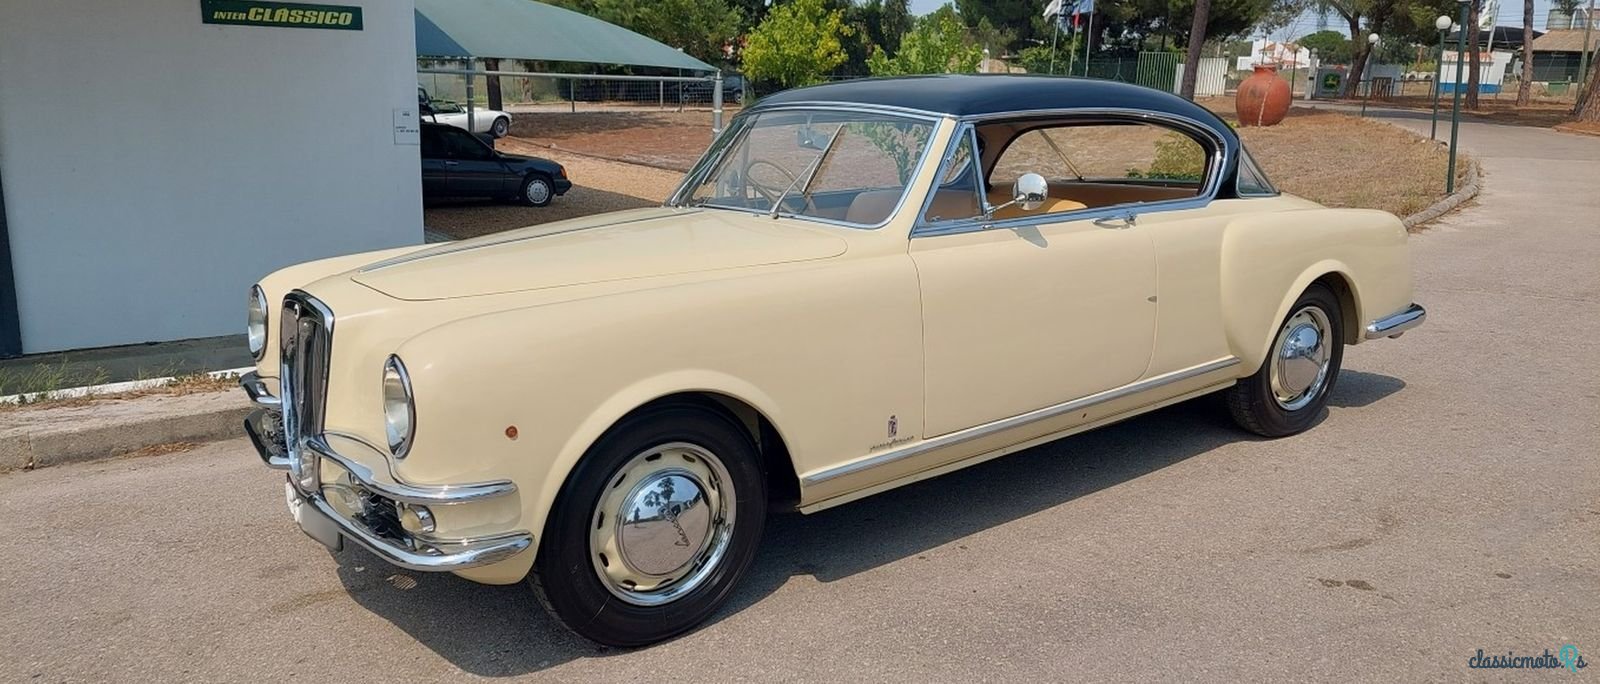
(474, 169)
(435, 172)
(1026, 312)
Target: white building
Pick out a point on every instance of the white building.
(153, 165)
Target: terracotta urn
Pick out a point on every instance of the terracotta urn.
(1263, 99)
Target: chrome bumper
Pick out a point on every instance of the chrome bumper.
(379, 496)
(1396, 324)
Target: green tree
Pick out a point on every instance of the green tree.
(698, 27)
(1013, 15)
(885, 21)
(937, 45)
(797, 44)
(1332, 47)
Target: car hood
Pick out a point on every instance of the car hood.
(624, 245)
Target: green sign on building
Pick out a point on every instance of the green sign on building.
(285, 14)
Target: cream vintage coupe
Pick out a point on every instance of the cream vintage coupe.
(860, 285)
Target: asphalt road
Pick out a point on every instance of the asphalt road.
(1449, 502)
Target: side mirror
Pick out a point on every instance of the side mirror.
(1029, 192)
(806, 138)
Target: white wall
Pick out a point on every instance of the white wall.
(154, 166)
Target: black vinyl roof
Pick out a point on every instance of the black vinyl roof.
(976, 95)
(983, 94)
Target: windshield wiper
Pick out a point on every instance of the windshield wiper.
(810, 170)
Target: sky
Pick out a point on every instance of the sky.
(1509, 13)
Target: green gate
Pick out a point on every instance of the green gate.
(1158, 70)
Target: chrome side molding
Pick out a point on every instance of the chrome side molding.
(1396, 324)
(1003, 424)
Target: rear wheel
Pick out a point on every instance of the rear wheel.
(653, 528)
(500, 127)
(1290, 390)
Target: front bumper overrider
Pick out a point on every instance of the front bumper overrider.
(365, 504)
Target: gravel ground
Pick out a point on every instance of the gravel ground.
(598, 186)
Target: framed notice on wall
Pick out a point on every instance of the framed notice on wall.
(281, 14)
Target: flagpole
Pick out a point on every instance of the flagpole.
(1055, 39)
(1088, 40)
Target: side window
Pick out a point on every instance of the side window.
(1124, 154)
(957, 196)
(461, 145)
(432, 146)
(1252, 181)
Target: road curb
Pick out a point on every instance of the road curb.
(36, 437)
(1468, 190)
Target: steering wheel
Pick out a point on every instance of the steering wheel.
(768, 193)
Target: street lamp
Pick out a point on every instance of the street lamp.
(1455, 89)
(1372, 41)
(1443, 23)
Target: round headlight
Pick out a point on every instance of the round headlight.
(399, 413)
(255, 329)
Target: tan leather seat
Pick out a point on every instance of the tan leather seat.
(871, 208)
(1051, 206)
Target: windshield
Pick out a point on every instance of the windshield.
(843, 167)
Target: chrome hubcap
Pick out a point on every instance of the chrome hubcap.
(538, 191)
(663, 524)
(1300, 359)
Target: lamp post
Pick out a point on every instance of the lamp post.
(1372, 41)
(1443, 24)
(1455, 89)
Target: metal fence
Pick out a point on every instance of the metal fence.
(522, 91)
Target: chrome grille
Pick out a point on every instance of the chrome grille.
(306, 338)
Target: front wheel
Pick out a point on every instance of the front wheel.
(1290, 390)
(653, 528)
(537, 191)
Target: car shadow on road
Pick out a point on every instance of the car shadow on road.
(503, 631)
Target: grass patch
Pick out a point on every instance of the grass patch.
(190, 383)
(49, 378)
(1340, 160)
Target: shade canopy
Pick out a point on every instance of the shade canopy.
(524, 29)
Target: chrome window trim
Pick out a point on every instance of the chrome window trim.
(1001, 425)
(1205, 196)
(954, 145)
(1245, 160)
(701, 168)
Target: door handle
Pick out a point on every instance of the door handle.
(1123, 222)
(451, 163)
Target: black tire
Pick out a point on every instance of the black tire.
(565, 578)
(529, 195)
(500, 127)
(1252, 401)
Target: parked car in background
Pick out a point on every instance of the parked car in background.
(699, 92)
(456, 163)
(491, 121)
(861, 285)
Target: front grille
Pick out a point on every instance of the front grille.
(306, 338)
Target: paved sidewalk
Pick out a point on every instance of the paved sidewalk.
(1450, 502)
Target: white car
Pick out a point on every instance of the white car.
(491, 121)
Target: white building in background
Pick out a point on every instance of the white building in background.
(153, 163)
(1284, 55)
